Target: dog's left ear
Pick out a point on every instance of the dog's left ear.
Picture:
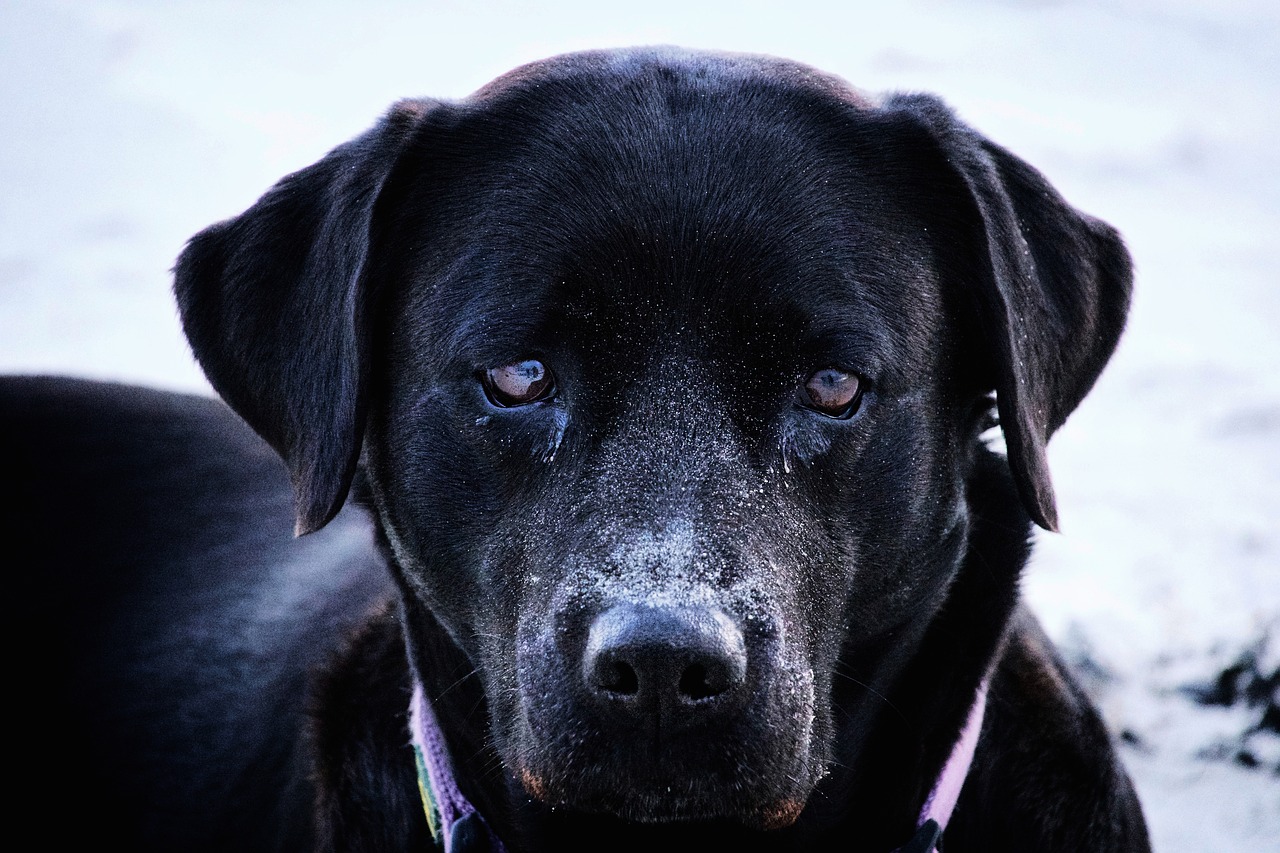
(1052, 297)
(274, 307)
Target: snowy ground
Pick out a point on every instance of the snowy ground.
(128, 126)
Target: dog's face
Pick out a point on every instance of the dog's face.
(669, 409)
(669, 370)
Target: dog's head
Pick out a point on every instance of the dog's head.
(668, 372)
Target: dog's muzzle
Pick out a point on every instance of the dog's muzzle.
(664, 710)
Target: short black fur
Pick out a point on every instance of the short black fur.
(669, 601)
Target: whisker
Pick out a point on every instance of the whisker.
(473, 672)
(875, 692)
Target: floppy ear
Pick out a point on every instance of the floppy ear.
(1053, 292)
(274, 308)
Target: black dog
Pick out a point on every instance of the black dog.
(662, 378)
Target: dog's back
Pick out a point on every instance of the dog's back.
(162, 574)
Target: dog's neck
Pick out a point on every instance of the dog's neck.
(895, 757)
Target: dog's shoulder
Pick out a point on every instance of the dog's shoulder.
(1046, 748)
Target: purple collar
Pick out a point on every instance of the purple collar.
(942, 799)
(456, 825)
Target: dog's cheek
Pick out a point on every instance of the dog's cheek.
(445, 502)
(903, 516)
(465, 506)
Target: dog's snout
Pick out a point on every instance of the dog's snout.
(675, 663)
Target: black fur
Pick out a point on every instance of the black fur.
(671, 602)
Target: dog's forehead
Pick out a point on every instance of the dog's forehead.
(646, 188)
(713, 70)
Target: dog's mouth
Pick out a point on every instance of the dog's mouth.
(658, 802)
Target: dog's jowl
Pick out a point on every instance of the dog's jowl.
(635, 413)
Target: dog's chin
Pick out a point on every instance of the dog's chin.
(680, 802)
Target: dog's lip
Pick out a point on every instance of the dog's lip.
(533, 784)
(774, 815)
(666, 801)
(781, 814)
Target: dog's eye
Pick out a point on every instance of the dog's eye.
(519, 384)
(834, 393)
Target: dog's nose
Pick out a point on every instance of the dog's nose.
(678, 663)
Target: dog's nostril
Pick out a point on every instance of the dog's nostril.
(617, 677)
(699, 682)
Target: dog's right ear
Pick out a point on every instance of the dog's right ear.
(273, 305)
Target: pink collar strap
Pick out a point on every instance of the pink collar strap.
(942, 800)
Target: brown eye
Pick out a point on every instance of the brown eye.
(832, 392)
(519, 384)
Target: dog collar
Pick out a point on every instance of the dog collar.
(942, 799)
(455, 824)
(458, 828)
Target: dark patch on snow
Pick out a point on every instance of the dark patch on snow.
(1247, 681)
(1135, 741)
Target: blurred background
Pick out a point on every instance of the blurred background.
(129, 126)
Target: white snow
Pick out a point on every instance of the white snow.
(128, 126)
